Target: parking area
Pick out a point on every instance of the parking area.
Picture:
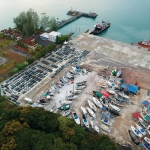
(49, 66)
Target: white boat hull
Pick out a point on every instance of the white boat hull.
(84, 110)
(136, 132)
(91, 112)
(92, 106)
(105, 128)
(147, 140)
(140, 129)
(97, 103)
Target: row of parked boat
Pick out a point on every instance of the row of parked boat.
(138, 132)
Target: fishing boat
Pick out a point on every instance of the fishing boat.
(66, 113)
(106, 121)
(92, 106)
(53, 108)
(143, 123)
(80, 87)
(146, 145)
(91, 112)
(111, 91)
(147, 140)
(84, 110)
(114, 112)
(64, 107)
(97, 102)
(114, 107)
(136, 132)
(144, 43)
(99, 27)
(76, 118)
(123, 95)
(105, 128)
(134, 138)
(141, 129)
(81, 83)
(85, 121)
(92, 124)
(96, 128)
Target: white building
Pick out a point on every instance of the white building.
(50, 36)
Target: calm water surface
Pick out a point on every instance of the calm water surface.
(129, 18)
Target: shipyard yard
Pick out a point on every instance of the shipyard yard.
(96, 58)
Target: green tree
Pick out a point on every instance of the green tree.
(27, 22)
(53, 24)
(15, 70)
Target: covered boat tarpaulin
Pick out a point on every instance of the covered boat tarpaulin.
(28, 99)
(131, 88)
(136, 115)
(98, 94)
(105, 94)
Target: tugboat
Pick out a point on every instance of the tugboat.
(99, 27)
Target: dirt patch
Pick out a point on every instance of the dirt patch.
(13, 59)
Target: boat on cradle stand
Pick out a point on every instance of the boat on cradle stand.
(114, 107)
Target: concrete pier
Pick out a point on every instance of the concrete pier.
(76, 15)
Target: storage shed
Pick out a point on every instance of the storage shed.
(53, 35)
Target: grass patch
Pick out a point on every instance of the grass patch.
(13, 60)
(5, 42)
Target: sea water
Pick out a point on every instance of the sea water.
(129, 18)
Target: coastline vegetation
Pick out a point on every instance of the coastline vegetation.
(28, 128)
(30, 23)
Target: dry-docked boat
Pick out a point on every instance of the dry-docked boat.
(148, 129)
(76, 118)
(136, 132)
(104, 127)
(53, 108)
(146, 145)
(134, 137)
(66, 113)
(92, 124)
(71, 97)
(81, 83)
(84, 110)
(114, 112)
(141, 129)
(144, 43)
(96, 128)
(114, 107)
(80, 87)
(97, 102)
(92, 106)
(86, 123)
(106, 121)
(123, 95)
(143, 123)
(91, 112)
(120, 104)
(147, 140)
(111, 91)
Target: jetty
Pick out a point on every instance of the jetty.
(75, 15)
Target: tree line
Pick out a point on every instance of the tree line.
(30, 23)
(27, 128)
